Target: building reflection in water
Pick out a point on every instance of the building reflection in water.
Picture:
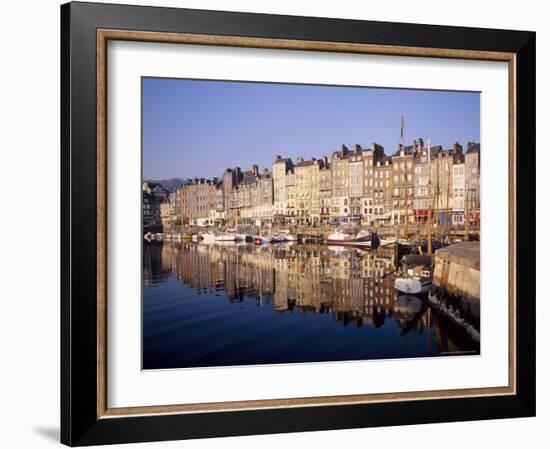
(354, 286)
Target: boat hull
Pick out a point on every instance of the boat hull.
(208, 238)
(350, 242)
(412, 286)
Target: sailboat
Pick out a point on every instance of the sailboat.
(416, 270)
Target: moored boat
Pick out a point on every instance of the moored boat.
(413, 285)
(416, 274)
(208, 237)
(225, 237)
(362, 238)
(289, 237)
(278, 238)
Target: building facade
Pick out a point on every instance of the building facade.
(361, 186)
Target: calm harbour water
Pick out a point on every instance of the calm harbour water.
(243, 304)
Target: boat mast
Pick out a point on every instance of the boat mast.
(430, 206)
(406, 204)
(447, 205)
(406, 231)
(437, 200)
(466, 209)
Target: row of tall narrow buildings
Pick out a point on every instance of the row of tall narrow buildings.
(357, 185)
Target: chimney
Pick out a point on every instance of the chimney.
(299, 160)
(457, 148)
(255, 170)
(344, 150)
(356, 147)
(401, 149)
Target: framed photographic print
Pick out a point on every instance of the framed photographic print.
(280, 224)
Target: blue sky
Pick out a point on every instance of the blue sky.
(200, 128)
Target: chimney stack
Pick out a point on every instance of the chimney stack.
(457, 148)
(344, 150)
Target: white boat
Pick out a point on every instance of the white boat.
(289, 237)
(208, 237)
(413, 285)
(278, 238)
(362, 238)
(225, 237)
